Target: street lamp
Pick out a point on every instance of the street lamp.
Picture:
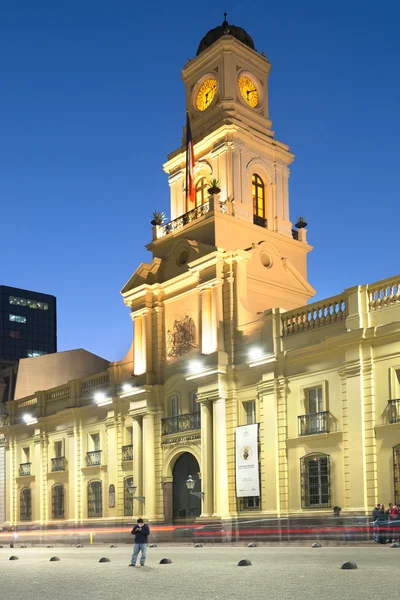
(190, 483)
(132, 490)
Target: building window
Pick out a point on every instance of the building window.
(94, 441)
(195, 404)
(396, 473)
(250, 410)
(17, 318)
(250, 503)
(200, 190)
(174, 406)
(15, 335)
(58, 449)
(27, 302)
(33, 353)
(315, 481)
(25, 505)
(95, 499)
(57, 502)
(258, 192)
(314, 400)
(128, 499)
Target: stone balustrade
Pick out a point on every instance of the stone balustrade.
(59, 394)
(316, 315)
(384, 293)
(95, 383)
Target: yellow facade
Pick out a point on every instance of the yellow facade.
(223, 336)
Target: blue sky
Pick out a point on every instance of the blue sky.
(92, 102)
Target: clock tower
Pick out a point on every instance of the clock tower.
(233, 253)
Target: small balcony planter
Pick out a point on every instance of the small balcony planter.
(301, 223)
(214, 187)
(158, 218)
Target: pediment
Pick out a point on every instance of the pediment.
(146, 273)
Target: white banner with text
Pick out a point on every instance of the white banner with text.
(247, 476)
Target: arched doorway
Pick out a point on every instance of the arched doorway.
(185, 507)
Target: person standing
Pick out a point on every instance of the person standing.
(141, 531)
(375, 515)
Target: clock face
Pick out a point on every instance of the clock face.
(206, 94)
(248, 91)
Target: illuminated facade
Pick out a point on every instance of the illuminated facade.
(223, 337)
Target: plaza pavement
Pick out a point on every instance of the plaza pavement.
(211, 572)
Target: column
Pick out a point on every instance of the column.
(206, 321)
(44, 516)
(2, 479)
(207, 459)
(139, 344)
(137, 463)
(70, 455)
(149, 480)
(111, 476)
(221, 504)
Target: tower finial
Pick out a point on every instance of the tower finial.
(225, 23)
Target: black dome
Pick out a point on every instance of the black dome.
(225, 29)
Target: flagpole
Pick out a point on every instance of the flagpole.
(187, 161)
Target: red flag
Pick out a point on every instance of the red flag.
(190, 191)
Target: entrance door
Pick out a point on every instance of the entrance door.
(185, 506)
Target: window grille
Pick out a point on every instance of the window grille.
(95, 499)
(128, 499)
(25, 501)
(396, 473)
(315, 481)
(57, 502)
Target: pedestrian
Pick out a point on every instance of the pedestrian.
(382, 519)
(141, 531)
(375, 514)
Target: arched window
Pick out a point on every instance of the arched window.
(95, 499)
(200, 190)
(258, 193)
(128, 500)
(57, 502)
(315, 481)
(396, 473)
(25, 504)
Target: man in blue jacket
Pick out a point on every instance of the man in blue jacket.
(141, 531)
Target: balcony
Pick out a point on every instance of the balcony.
(127, 452)
(93, 458)
(58, 464)
(25, 469)
(314, 423)
(192, 215)
(181, 423)
(394, 411)
(259, 221)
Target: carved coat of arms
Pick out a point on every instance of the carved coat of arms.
(182, 337)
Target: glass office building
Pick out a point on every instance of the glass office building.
(28, 324)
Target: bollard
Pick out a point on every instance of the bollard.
(90, 538)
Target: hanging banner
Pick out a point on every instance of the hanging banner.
(247, 476)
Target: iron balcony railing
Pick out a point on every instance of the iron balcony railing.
(127, 452)
(181, 423)
(314, 423)
(93, 458)
(394, 411)
(259, 221)
(188, 217)
(25, 469)
(58, 463)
